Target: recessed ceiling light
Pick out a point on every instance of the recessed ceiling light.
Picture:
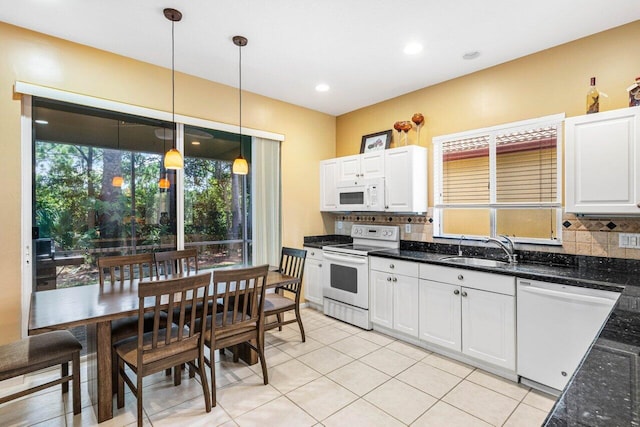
(471, 55)
(42, 122)
(413, 48)
(195, 142)
(322, 87)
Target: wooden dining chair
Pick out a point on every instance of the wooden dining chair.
(240, 295)
(276, 304)
(114, 273)
(164, 347)
(180, 262)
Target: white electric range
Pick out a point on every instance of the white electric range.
(345, 282)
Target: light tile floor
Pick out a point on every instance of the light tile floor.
(341, 376)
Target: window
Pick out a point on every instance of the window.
(81, 212)
(500, 180)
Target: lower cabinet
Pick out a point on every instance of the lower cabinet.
(313, 277)
(470, 312)
(394, 295)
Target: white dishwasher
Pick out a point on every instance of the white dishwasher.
(556, 324)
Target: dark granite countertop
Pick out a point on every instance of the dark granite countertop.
(605, 389)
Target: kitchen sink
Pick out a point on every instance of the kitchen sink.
(483, 262)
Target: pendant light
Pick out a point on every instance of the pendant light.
(118, 180)
(173, 158)
(240, 165)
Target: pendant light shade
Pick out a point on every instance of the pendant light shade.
(117, 181)
(173, 158)
(164, 183)
(240, 164)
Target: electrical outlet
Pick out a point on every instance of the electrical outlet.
(339, 225)
(629, 240)
(407, 228)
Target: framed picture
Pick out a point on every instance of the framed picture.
(376, 141)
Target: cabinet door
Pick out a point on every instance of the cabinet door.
(602, 161)
(405, 304)
(439, 314)
(372, 164)
(488, 327)
(328, 181)
(313, 281)
(381, 293)
(348, 167)
(406, 179)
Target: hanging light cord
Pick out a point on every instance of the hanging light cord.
(173, 82)
(240, 80)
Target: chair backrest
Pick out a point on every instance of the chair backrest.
(240, 293)
(292, 264)
(173, 297)
(126, 267)
(182, 262)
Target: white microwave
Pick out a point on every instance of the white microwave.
(361, 195)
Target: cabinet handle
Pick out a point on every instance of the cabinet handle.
(313, 253)
(564, 374)
(388, 278)
(320, 265)
(638, 205)
(395, 279)
(392, 266)
(456, 292)
(460, 277)
(464, 294)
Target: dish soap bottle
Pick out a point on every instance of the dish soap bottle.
(593, 98)
(634, 93)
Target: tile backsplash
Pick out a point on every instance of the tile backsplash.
(580, 235)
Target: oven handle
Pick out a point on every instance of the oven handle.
(354, 259)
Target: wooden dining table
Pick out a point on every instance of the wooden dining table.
(95, 308)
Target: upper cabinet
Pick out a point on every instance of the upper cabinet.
(359, 166)
(603, 163)
(397, 175)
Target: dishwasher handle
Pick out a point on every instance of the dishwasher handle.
(527, 287)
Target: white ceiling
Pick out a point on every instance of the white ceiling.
(354, 46)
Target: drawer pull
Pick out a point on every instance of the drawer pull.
(392, 266)
(456, 292)
(464, 294)
(460, 277)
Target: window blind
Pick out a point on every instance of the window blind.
(465, 170)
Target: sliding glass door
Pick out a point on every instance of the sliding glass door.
(100, 189)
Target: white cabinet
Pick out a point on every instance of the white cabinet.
(368, 165)
(469, 311)
(328, 185)
(602, 162)
(406, 179)
(313, 277)
(394, 295)
(404, 170)
(440, 314)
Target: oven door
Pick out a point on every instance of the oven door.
(346, 278)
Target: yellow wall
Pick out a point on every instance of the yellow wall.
(549, 82)
(47, 61)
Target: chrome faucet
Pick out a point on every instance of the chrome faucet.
(462, 237)
(509, 250)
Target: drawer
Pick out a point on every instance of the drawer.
(388, 265)
(314, 253)
(469, 278)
